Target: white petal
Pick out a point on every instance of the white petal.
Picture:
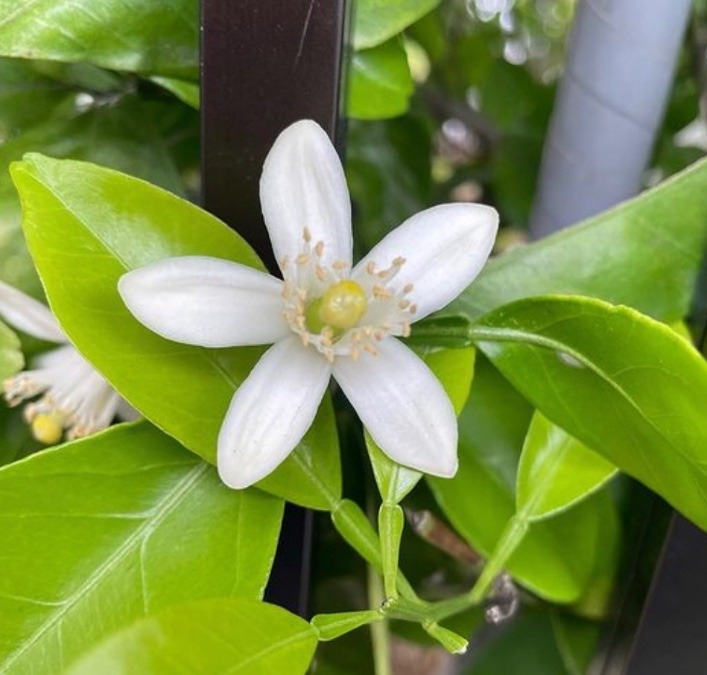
(206, 301)
(29, 315)
(303, 185)
(270, 412)
(403, 406)
(444, 248)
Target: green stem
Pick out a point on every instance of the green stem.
(380, 630)
(507, 544)
(390, 529)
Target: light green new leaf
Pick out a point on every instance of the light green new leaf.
(99, 224)
(102, 531)
(556, 471)
(558, 558)
(379, 20)
(114, 34)
(623, 384)
(644, 253)
(209, 636)
(380, 84)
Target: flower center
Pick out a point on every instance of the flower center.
(339, 315)
(341, 307)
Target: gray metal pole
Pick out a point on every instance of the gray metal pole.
(620, 67)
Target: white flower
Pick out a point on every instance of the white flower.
(76, 397)
(324, 317)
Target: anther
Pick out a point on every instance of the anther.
(413, 309)
(339, 265)
(307, 235)
(408, 288)
(302, 258)
(320, 272)
(404, 304)
(381, 292)
(319, 249)
(370, 349)
(371, 267)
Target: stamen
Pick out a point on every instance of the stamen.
(307, 235)
(319, 249)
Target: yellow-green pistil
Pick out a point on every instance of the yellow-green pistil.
(340, 308)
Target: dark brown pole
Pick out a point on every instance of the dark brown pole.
(265, 64)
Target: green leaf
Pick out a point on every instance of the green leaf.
(113, 34)
(124, 136)
(99, 224)
(556, 471)
(558, 558)
(389, 174)
(11, 359)
(102, 531)
(381, 84)
(525, 647)
(639, 386)
(185, 91)
(644, 253)
(209, 636)
(26, 96)
(577, 641)
(379, 20)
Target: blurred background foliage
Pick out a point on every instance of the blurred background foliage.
(447, 101)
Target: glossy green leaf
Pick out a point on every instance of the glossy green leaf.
(113, 34)
(380, 84)
(640, 387)
(556, 471)
(99, 224)
(210, 636)
(99, 532)
(644, 253)
(558, 558)
(379, 20)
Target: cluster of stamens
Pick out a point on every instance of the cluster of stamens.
(83, 403)
(339, 315)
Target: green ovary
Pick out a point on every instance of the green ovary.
(340, 308)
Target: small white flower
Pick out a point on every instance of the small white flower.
(324, 317)
(75, 398)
